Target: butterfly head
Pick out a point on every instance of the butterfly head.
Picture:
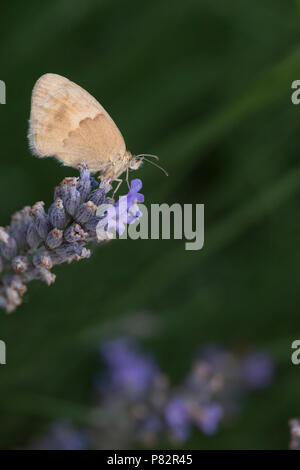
(135, 162)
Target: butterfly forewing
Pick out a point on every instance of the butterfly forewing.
(67, 122)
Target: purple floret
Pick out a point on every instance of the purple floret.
(210, 418)
(257, 370)
(128, 370)
(177, 418)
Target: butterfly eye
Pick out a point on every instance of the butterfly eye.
(133, 163)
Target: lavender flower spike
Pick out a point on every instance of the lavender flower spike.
(37, 240)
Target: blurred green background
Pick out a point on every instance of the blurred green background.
(206, 85)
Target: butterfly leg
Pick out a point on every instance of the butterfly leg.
(127, 177)
(120, 181)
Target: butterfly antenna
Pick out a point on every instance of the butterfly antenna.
(155, 164)
(147, 155)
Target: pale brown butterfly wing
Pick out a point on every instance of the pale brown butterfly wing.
(49, 83)
(67, 122)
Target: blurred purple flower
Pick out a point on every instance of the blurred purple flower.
(150, 426)
(128, 370)
(213, 354)
(135, 402)
(210, 418)
(295, 434)
(257, 369)
(61, 436)
(177, 418)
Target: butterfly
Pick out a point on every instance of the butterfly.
(68, 123)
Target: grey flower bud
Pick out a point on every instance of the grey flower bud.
(72, 200)
(54, 238)
(4, 236)
(19, 264)
(42, 260)
(32, 237)
(61, 190)
(19, 226)
(75, 233)
(47, 276)
(57, 214)
(97, 196)
(84, 183)
(85, 212)
(41, 219)
(8, 249)
(91, 225)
